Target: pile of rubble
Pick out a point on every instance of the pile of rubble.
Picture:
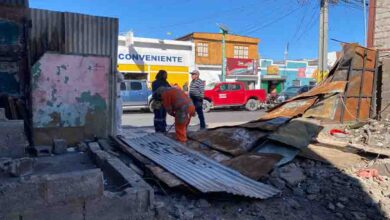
(374, 133)
(310, 190)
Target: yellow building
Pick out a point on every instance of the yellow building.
(142, 58)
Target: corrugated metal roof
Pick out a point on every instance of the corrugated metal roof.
(20, 3)
(196, 169)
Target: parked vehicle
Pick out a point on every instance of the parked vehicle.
(232, 94)
(292, 91)
(135, 95)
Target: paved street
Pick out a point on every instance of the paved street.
(213, 118)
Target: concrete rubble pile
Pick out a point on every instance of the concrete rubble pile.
(290, 148)
(373, 133)
(86, 181)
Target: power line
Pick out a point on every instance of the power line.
(254, 30)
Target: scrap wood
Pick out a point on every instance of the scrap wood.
(167, 178)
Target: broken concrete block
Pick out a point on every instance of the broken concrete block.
(4, 163)
(82, 147)
(13, 140)
(2, 115)
(64, 187)
(292, 174)
(21, 167)
(94, 146)
(59, 146)
(42, 150)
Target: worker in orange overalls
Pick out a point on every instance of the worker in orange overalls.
(180, 106)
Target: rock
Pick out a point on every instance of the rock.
(313, 189)
(340, 215)
(202, 203)
(161, 211)
(4, 163)
(292, 174)
(82, 146)
(42, 150)
(312, 197)
(343, 199)
(187, 215)
(294, 204)
(359, 215)
(21, 167)
(298, 191)
(71, 149)
(277, 182)
(340, 205)
(331, 207)
(59, 146)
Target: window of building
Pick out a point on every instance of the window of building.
(202, 49)
(240, 52)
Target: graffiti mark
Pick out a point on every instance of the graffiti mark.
(66, 79)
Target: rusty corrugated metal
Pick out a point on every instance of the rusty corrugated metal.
(17, 3)
(197, 170)
(234, 141)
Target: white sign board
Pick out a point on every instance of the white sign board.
(154, 56)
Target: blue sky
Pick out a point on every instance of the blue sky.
(275, 22)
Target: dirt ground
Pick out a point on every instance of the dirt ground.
(316, 191)
(310, 190)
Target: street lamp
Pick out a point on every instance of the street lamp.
(224, 30)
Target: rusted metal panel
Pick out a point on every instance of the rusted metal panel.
(290, 109)
(269, 125)
(253, 165)
(200, 172)
(234, 141)
(47, 33)
(71, 91)
(297, 133)
(272, 147)
(324, 109)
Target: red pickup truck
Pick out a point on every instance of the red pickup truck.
(232, 94)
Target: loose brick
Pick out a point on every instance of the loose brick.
(59, 146)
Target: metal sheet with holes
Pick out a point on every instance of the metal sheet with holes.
(202, 173)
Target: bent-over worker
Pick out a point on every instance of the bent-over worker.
(180, 106)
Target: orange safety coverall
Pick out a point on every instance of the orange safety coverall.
(180, 106)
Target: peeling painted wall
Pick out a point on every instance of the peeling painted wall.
(12, 51)
(70, 91)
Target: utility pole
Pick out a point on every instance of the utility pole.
(286, 53)
(224, 30)
(365, 22)
(323, 41)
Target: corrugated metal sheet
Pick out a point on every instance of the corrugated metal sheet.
(18, 3)
(197, 170)
(73, 33)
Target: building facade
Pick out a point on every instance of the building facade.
(277, 76)
(142, 58)
(239, 50)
